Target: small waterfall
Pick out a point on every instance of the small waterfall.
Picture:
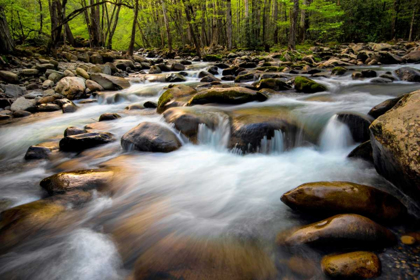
(336, 136)
(275, 145)
(217, 138)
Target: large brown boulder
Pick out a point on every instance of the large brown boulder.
(330, 198)
(354, 265)
(109, 82)
(71, 87)
(340, 231)
(233, 95)
(408, 74)
(174, 97)
(412, 57)
(150, 137)
(76, 180)
(395, 138)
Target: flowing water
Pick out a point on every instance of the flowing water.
(203, 196)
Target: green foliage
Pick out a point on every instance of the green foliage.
(325, 20)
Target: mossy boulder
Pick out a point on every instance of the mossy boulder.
(245, 78)
(173, 94)
(212, 58)
(354, 265)
(232, 95)
(339, 71)
(340, 231)
(306, 85)
(272, 83)
(330, 198)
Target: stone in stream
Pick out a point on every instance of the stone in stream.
(233, 95)
(330, 198)
(77, 180)
(109, 82)
(209, 78)
(363, 151)
(175, 78)
(408, 74)
(69, 107)
(81, 142)
(271, 83)
(358, 125)
(150, 137)
(93, 86)
(412, 57)
(48, 107)
(155, 70)
(71, 87)
(41, 151)
(19, 223)
(174, 94)
(231, 71)
(73, 131)
(395, 138)
(150, 105)
(13, 91)
(47, 84)
(213, 70)
(340, 231)
(306, 85)
(384, 107)
(339, 71)
(124, 63)
(177, 67)
(247, 77)
(109, 117)
(21, 113)
(354, 265)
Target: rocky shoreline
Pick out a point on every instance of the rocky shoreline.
(353, 223)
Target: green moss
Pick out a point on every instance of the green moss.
(339, 70)
(266, 64)
(281, 68)
(165, 98)
(275, 84)
(306, 85)
(244, 77)
(212, 57)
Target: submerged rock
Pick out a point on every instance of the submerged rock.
(80, 142)
(355, 265)
(306, 85)
(233, 95)
(150, 137)
(340, 231)
(395, 138)
(330, 198)
(76, 180)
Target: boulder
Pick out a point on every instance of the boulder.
(209, 79)
(41, 151)
(23, 104)
(271, 83)
(363, 151)
(412, 57)
(306, 85)
(76, 180)
(110, 82)
(47, 84)
(21, 114)
(109, 117)
(330, 198)
(395, 138)
(93, 86)
(150, 137)
(9, 77)
(247, 77)
(155, 70)
(71, 87)
(174, 94)
(124, 63)
(82, 73)
(177, 67)
(71, 130)
(48, 107)
(174, 78)
(212, 58)
(149, 105)
(358, 125)
(81, 142)
(388, 58)
(354, 265)
(230, 71)
(408, 74)
(233, 95)
(96, 58)
(13, 91)
(340, 231)
(383, 107)
(69, 107)
(57, 76)
(339, 71)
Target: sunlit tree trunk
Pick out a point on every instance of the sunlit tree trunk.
(133, 30)
(229, 24)
(293, 25)
(7, 44)
(168, 30)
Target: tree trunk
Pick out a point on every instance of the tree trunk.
(168, 30)
(293, 25)
(395, 18)
(114, 26)
(275, 18)
(303, 22)
(133, 31)
(413, 17)
(229, 24)
(188, 8)
(41, 18)
(7, 44)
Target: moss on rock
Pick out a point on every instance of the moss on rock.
(306, 85)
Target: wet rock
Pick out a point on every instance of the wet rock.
(248, 77)
(109, 117)
(93, 86)
(209, 79)
(21, 114)
(174, 78)
(81, 142)
(388, 58)
(271, 83)
(358, 125)
(82, 73)
(23, 104)
(49, 107)
(124, 63)
(339, 71)
(155, 70)
(212, 58)
(213, 70)
(248, 65)
(363, 151)
(73, 131)
(69, 107)
(228, 78)
(41, 151)
(9, 77)
(71, 87)
(150, 137)
(340, 231)
(364, 74)
(174, 94)
(233, 95)
(150, 105)
(110, 82)
(395, 137)
(408, 74)
(230, 71)
(355, 265)
(57, 76)
(384, 107)
(77, 180)
(381, 81)
(306, 85)
(177, 67)
(188, 119)
(302, 266)
(412, 57)
(330, 198)
(96, 59)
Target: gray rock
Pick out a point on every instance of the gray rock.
(23, 104)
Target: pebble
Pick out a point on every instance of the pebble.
(408, 240)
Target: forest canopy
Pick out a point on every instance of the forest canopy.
(247, 24)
